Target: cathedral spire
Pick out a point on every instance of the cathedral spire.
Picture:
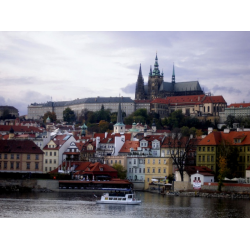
(150, 71)
(140, 74)
(173, 75)
(156, 71)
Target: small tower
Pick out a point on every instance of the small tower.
(153, 126)
(83, 129)
(11, 133)
(48, 120)
(119, 127)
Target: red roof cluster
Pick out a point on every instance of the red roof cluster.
(239, 105)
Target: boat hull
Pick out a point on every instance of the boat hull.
(119, 202)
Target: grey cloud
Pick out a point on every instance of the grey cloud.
(223, 89)
(129, 89)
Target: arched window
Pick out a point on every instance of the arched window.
(204, 109)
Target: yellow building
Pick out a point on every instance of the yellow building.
(157, 167)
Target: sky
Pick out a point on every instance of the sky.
(40, 66)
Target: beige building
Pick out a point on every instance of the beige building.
(20, 156)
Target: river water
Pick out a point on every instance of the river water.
(82, 205)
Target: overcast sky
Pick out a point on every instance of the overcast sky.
(38, 66)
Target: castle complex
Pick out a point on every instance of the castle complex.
(157, 88)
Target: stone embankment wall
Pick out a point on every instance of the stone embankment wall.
(32, 184)
(138, 185)
(213, 186)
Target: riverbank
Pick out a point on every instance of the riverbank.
(210, 194)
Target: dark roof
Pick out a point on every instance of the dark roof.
(19, 146)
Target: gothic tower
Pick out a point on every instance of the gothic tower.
(155, 80)
(139, 89)
(173, 76)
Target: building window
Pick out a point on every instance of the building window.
(203, 158)
(199, 158)
(153, 161)
(153, 170)
(139, 170)
(130, 162)
(148, 170)
(159, 170)
(50, 161)
(199, 148)
(135, 170)
(165, 161)
(212, 158)
(36, 165)
(212, 149)
(17, 165)
(46, 169)
(120, 161)
(28, 165)
(159, 161)
(148, 161)
(164, 170)
(12, 156)
(203, 149)
(144, 170)
(28, 157)
(54, 161)
(148, 179)
(168, 152)
(5, 156)
(5, 165)
(208, 158)
(54, 153)
(46, 161)
(49, 168)
(115, 161)
(248, 158)
(129, 170)
(17, 156)
(134, 161)
(50, 153)
(12, 165)
(208, 149)
(0, 156)
(37, 157)
(46, 153)
(111, 161)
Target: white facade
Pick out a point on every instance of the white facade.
(202, 178)
(136, 168)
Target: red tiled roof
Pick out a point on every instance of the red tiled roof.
(216, 137)
(18, 129)
(239, 105)
(129, 144)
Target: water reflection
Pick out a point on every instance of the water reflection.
(82, 205)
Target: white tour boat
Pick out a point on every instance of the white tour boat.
(125, 198)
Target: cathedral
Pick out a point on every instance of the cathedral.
(157, 88)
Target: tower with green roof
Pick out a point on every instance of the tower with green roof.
(155, 79)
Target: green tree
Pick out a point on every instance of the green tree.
(121, 171)
(69, 115)
(231, 155)
(223, 171)
(103, 126)
(51, 115)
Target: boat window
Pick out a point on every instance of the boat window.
(110, 199)
(130, 196)
(119, 199)
(115, 199)
(123, 199)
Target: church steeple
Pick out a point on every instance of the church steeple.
(139, 89)
(150, 71)
(173, 75)
(119, 127)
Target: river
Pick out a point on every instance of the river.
(82, 205)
